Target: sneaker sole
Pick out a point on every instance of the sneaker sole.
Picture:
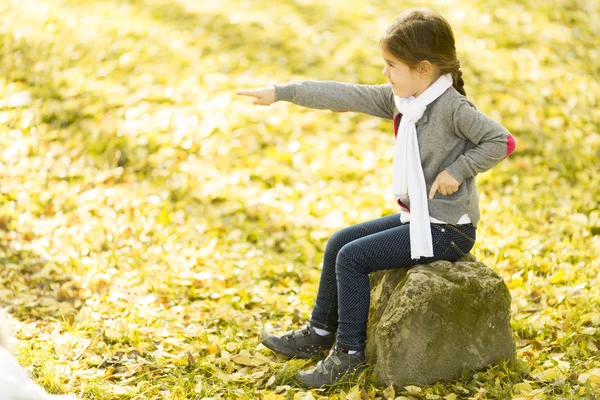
(349, 376)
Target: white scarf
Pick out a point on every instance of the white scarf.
(407, 173)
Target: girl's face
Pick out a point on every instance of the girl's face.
(405, 81)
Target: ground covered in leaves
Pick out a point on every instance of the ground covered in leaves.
(152, 223)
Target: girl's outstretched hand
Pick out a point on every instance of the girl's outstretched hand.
(263, 97)
(444, 183)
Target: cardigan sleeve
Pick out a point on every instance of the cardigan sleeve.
(493, 143)
(376, 100)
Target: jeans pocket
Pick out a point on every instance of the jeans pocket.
(458, 250)
(464, 233)
(453, 252)
(438, 232)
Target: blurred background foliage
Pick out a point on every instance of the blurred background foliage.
(152, 223)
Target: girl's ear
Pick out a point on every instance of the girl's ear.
(425, 69)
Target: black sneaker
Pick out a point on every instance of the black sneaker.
(336, 367)
(303, 343)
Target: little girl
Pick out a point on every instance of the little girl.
(442, 143)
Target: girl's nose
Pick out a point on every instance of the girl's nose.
(386, 72)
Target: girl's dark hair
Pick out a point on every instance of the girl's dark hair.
(422, 34)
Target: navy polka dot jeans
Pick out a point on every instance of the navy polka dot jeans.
(352, 253)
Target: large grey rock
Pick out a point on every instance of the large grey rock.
(429, 322)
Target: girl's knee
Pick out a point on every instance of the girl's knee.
(339, 239)
(352, 258)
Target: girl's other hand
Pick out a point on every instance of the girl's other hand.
(444, 183)
(263, 97)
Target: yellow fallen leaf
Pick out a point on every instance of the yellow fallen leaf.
(583, 378)
(451, 396)
(260, 357)
(198, 388)
(558, 277)
(90, 346)
(595, 372)
(231, 346)
(258, 374)
(304, 396)
(223, 376)
(357, 393)
(282, 389)
(413, 389)
(274, 396)
(245, 360)
(536, 394)
(550, 374)
(522, 387)
(181, 362)
(589, 330)
(354, 393)
(389, 392)
(594, 318)
(271, 381)
(515, 283)
(592, 376)
(92, 373)
(225, 355)
(522, 366)
(119, 390)
(244, 353)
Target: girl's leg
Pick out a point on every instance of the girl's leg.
(388, 249)
(325, 312)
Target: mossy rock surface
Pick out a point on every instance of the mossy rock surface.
(428, 323)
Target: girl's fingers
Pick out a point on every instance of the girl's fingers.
(246, 93)
(433, 189)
